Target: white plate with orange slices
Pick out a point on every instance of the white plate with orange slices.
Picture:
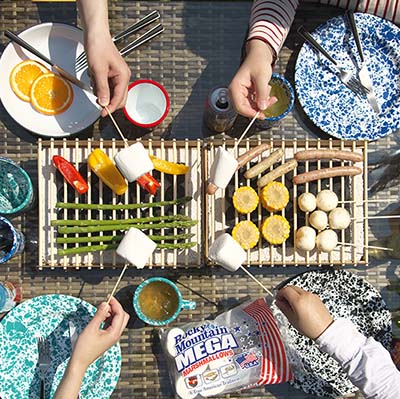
(40, 102)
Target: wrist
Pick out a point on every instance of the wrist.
(76, 367)
(261, 48)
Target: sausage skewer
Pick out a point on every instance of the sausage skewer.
(316, 155)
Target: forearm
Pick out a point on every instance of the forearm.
(94, 15)
(270, 21)
(71, 382)
(367, 363)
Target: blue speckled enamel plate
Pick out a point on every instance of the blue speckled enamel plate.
(48, 316)
(331, 105)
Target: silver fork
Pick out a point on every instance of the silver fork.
(346, 77)
(44, 362)
(81, 60)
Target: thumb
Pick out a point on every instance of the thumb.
(101, 315)
(262, 89)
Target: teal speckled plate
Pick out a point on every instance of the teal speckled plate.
(48, 316)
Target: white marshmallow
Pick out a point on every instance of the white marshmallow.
(339, 218)
(307, 202)
(136, 247)
(305, 238)
(133, 162)
(327, 200)
(223, 168)
(326, 241)
(227, 252)
(170, 341)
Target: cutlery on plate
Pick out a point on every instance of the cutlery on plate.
(44, 363)
(81, 61)
(347, 77)
(363, 72)
(73, 336)
(13, 37)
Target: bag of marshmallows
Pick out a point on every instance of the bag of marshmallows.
(239, 349)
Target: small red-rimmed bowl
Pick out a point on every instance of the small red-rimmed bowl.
(147, 103)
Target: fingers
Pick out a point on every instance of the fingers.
(263, 90)
(120, 92)
(240, 100)
(119, 319)
(100, 75)
(101, 314)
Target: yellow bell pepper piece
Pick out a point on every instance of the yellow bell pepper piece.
(170, 168)
(107, 172)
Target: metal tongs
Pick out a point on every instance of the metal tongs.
(81, 61)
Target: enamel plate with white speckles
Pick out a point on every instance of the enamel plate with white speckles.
(49, 316)
(345, 295)
(328, 102)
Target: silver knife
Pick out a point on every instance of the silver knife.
(12, 36)
(363, 73)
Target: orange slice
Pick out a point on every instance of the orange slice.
(51, 94)
(23, 75)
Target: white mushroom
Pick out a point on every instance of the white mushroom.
(318, 220)
(327, 200)
(326, 241)
(307, 202)
(305, 238)
(339, 218)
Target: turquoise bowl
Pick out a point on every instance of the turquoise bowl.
(16, 190)
(18, 240)
(182, 303)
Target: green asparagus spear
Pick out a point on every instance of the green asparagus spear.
(97, 207)
(117, 238)
(105, 247)
(118, 221)
(182, 224)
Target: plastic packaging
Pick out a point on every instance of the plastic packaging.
(10, 295)
(240, 349)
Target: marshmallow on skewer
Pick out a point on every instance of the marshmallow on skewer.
(133, 162)
(223, 168)
(136, 247)
(227, 252)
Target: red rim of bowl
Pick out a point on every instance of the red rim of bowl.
(157, 122)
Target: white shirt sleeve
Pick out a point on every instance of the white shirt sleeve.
(367, 363)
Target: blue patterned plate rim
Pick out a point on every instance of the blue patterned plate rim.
(332, 106)
(19, 329)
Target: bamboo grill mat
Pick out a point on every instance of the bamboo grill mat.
(214, 29)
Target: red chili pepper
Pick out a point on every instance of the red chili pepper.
(71, 175)
(149, 183)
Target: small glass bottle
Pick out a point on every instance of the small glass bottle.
(10, 295)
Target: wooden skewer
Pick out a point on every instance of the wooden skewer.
(246, 130)
(377, 217)
(116, 125)
(257, 281)
(117, 283)
(365, 246)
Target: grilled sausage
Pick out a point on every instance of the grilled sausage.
(326, 173)
(278, 172)
(251, 154)
(315, 155)
(264, 164)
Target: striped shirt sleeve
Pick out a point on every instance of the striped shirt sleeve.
(270, 21)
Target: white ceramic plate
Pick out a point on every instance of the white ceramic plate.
(61, 43)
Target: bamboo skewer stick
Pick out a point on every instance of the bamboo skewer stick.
(257, 281)
(245, 131)
(117, 283)
(116, 125)
(365, 246)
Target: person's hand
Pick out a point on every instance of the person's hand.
(109, 72)
(93, 341)
(250, 88)
(304, 310)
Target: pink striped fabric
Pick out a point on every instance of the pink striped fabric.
(275, 366)
(270, 20)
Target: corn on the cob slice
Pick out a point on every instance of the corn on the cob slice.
(275, 229)
(245, 199)
(246, 234)
(274, 196)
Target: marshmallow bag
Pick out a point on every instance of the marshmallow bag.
(240, 349)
